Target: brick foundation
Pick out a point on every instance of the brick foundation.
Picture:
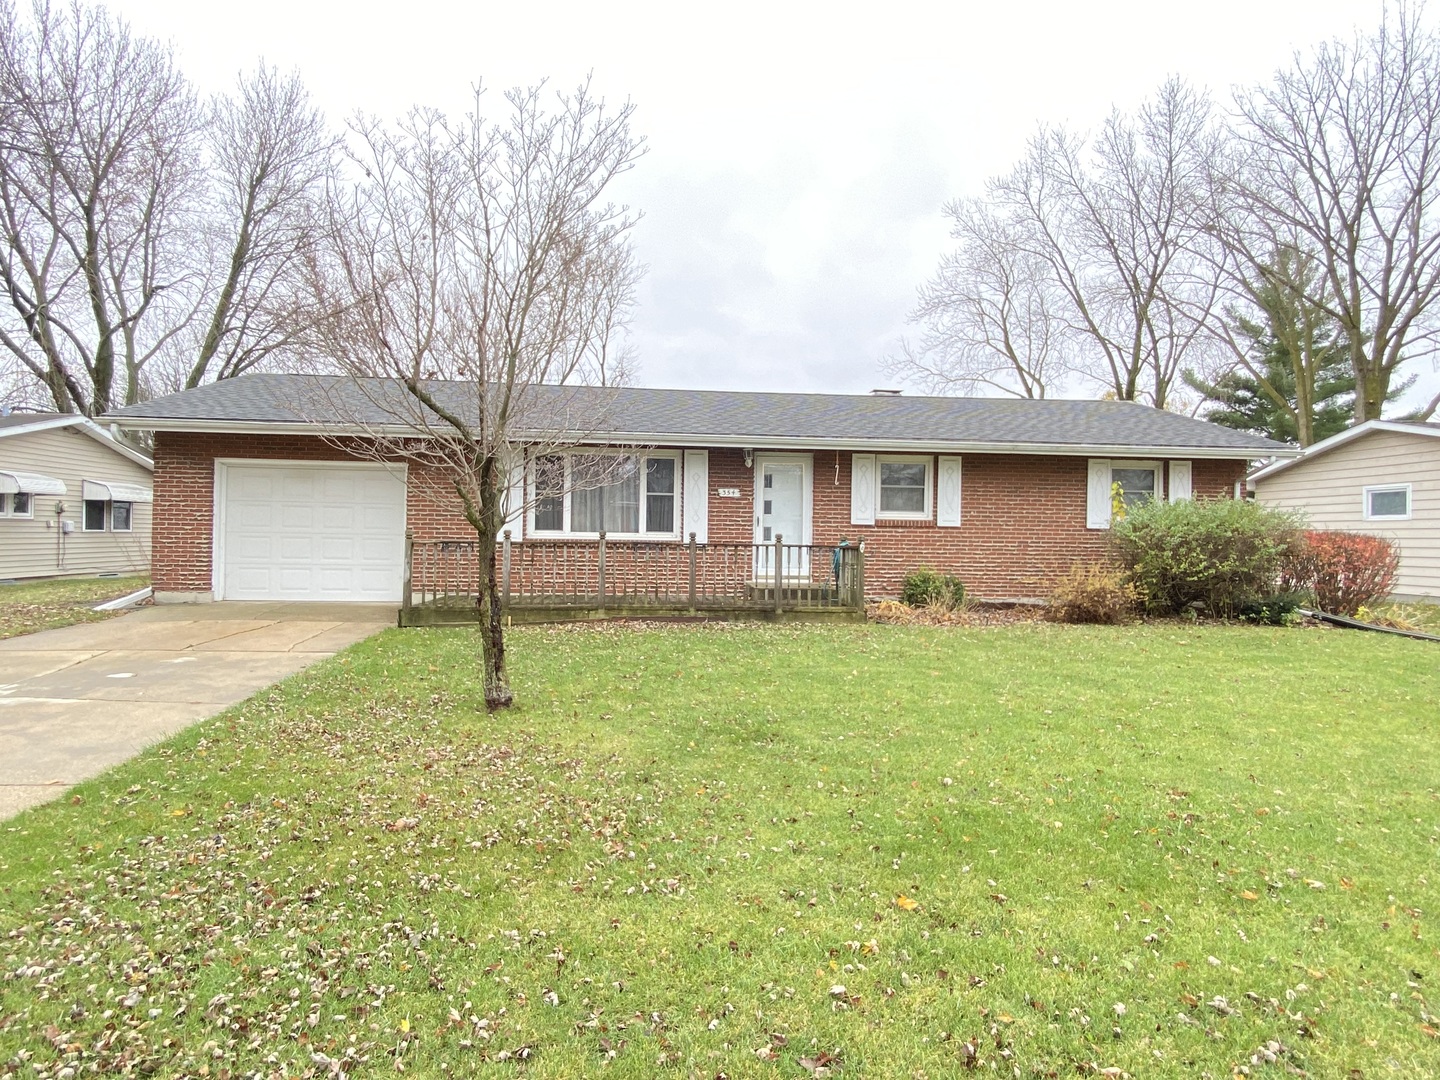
(1022, 521)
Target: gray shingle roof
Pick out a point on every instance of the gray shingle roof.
(693, 416)
(15, 420)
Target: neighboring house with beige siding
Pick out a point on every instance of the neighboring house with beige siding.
(74, 500)
(1380, 477)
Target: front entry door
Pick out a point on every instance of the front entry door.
(780, 511)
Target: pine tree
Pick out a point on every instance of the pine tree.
(1262, 397)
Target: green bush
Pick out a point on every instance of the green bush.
(1276, 610)
(1221, 553)
(924, 587)
(1093, 594)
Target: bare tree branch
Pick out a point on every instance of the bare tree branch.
(468, 267)
(1343, 153)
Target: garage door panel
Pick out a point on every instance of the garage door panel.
(339, 517)
(312, 533)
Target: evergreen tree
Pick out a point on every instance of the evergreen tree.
(1295, 381)
(1262, 396)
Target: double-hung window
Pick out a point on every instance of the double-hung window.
(585, 494)
(1135, 482)
(120, 516)
(904, 488)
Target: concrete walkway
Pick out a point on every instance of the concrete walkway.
(77, 700)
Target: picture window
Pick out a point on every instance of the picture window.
(1390, 502)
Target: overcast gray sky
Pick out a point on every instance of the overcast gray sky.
(799, 153)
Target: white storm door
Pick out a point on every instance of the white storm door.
(781, 509)
(311, 532)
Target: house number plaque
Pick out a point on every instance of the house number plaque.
(729, 493)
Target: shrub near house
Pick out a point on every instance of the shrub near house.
(1343, 571)
(1220, 553)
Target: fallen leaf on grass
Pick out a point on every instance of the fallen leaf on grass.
(1249, 895)
(1434, 1033)
(904, 903)
(821, 1064)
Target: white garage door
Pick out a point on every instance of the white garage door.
(300, 532)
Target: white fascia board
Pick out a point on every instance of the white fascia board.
(89, 427)
(42, 425)
(752, 442)
(100, 435)
(1324, 446)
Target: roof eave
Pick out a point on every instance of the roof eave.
(742, 441)
(88, 427)
(1334, 442)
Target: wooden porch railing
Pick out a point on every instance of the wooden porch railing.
(602, 576)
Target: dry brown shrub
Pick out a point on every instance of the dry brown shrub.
(1093, 593)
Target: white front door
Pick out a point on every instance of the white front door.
(782, 509)
(309, 532)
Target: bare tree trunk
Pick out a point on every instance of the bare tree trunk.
(485, 519)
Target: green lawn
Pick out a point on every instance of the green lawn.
(741, 851)
(44, 605)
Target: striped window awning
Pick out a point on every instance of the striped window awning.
(115, 491)
(12, 482)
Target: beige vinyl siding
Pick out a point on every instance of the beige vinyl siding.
(32, 547)
(1330, 490)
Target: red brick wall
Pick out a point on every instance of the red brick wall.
(1023, 516)
(185, 498)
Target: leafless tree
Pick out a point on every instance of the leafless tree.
(470, 265)
(97, 167)
(1116, 222)
(991, 314)
(1342, 151)
(270, 157)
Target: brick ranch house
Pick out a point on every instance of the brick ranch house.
(260, 497)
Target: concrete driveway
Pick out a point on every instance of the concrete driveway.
(77, 700)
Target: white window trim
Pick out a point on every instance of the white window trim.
(7, 505)
(905, 459)
(533, 503)
(1378, 488)
(85, 516)
(1156, 467)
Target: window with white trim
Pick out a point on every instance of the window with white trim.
(94, 515)
(1387, 502)
(1138, 481)
(19, 504)
(905, 485)
(120, 516)
(585, 494)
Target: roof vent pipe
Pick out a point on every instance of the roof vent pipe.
(884, 393)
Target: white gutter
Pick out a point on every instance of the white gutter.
(748, 442)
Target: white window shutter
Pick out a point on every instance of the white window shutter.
(1180, 481)
(947, 493)
(863, 489)
(1097, 503)
(515, 503)
(697, 495)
